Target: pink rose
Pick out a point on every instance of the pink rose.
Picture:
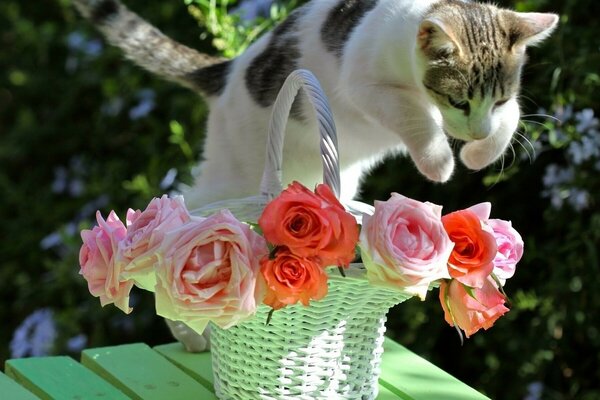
(99, 261)
(208, 271)
(404, 245)
(510, 248)
(471, 313)
(145, 232)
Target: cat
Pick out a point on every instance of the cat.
(401, 76)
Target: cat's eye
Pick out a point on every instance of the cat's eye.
(500, 103)
(459, 104)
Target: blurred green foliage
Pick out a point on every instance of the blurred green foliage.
(81, 129)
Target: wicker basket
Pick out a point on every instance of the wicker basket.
(329, 350)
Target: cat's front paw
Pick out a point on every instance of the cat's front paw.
(438, 166)
(478, 155)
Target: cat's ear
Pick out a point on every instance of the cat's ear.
(530, 29)
(435, 38)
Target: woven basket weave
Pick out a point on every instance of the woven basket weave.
(329, 350)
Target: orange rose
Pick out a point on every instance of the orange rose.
(474, 248)
(471, 311)
(290, 278)
(311, 225)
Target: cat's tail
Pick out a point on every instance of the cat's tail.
(148, 47)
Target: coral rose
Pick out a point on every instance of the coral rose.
(510, 248)
(208, 272)
(474, 247)
(404, 244)
(291, 278)
(471, 313)
(100, 264)
(311, 225)
(145, 232)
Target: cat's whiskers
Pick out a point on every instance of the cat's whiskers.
(502, 165)
(531, 156)
(514, 155)
(529, 99)
(552, 117)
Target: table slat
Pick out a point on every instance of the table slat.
(197, 365)
(60, 378)
(407, 374)
(143, 374)
(10, 389)
(387, 394)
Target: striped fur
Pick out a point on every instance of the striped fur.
(146, 45)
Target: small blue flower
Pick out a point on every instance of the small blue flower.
(75, 40)
(579, 199)
(52, 240)
(587, 148)
(92, 48)
(35, 336)
(168, 179)
(77, 343)
(585, 120)
(141, 110)
(89, 209)
(249, 10)
(564, 113)
(59, 184)
(76, 187)
(534, 391)
(145, 105)
(556, 175)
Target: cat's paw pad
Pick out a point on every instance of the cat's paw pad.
(476, 156)
(437, 168)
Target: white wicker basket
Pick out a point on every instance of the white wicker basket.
(329, 350)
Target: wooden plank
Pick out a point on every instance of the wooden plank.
(387, 394)
(414, 378)
(9, 389)
(143, 374)
(196, 365)
(60, 378)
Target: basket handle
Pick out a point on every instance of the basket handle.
(271, 185)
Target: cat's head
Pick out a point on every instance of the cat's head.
(471, 57)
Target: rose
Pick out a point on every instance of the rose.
(290, 278)
(510, 248)
(311, 225)
(145, 232)
(404, 244)
(100, 263)
(474, 245)
(508, 242)
(208, 270)
(471, 309)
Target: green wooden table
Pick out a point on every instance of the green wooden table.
(167, 372)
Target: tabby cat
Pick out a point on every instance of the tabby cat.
(401, 76)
